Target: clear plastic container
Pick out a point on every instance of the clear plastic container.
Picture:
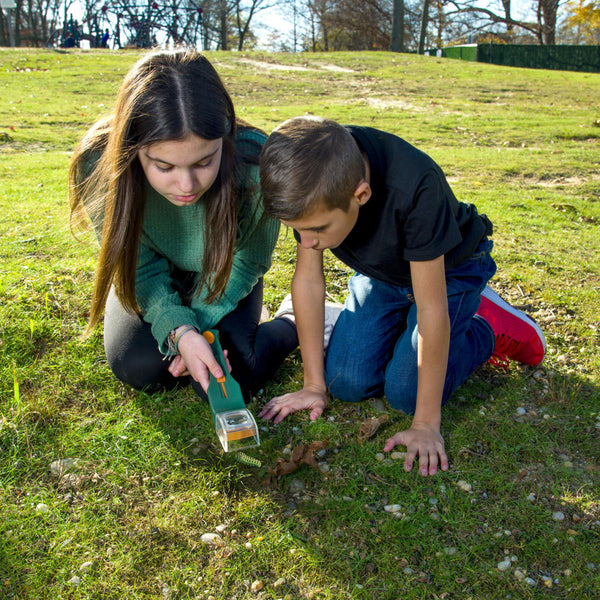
(237, 430)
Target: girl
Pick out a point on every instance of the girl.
(170, 183)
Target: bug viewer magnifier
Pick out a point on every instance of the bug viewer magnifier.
(234, 423)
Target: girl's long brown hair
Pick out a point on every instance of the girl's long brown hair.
(166, 95)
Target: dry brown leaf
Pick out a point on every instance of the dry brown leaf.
(369, 427)
(301, 454)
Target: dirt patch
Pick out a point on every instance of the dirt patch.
(336, 69)
(266, 66)
(567, 181)
(383, 103)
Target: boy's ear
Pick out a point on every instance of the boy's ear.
(362, 193)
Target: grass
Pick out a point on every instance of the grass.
(518, 514)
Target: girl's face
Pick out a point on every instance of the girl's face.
(182, 170)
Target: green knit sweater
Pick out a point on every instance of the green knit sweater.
(173, 236)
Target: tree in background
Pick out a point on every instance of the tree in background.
(397, 41)
(582, 22)
(399, 25)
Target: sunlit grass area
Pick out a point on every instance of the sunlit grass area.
(110, 493)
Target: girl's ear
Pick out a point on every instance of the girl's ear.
(362, 193)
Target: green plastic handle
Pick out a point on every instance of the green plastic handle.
(224, 393)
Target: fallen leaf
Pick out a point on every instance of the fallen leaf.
(301, 454)
(369, 427)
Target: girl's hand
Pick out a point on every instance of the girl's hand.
(196, 359)
(423, 441)
(282, 406)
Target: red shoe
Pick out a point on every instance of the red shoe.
(518, 337)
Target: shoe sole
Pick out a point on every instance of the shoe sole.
(495, 298)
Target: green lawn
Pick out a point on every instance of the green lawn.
(141, 478)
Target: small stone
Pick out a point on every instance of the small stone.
(521, 411)
(558, 516)
(86, 567)
(464, 486)
(42, 508)
(451, 551)
(531, 497)
(408, 571)
(212, 539)
(221, 528)
(60, 466)
(547, 581)
(248, 545)
(379, 456)
(398, 455)
(256, 586)
(392, 508)
(519, 575)
(530, 582)
(296, 486)
(324, 467)
(504, 565)
(74, 581)
(279, 582)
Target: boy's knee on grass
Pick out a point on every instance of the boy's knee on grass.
(345, 389)
(403, 398)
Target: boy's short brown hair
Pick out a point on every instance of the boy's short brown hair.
(307, 163)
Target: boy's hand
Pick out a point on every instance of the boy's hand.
(282, 406)
(424, 441)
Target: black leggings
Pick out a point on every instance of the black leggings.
(254, 351)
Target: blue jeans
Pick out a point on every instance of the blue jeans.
(373, 347)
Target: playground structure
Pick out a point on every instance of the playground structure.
(139, 26)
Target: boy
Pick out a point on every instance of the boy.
(415, 324)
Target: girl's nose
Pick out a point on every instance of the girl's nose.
(187, 181)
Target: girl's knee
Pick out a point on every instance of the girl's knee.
(140, 374)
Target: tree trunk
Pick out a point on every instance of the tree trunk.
(548, 10)
(223, 25)
(423, 32)
(509, 25)
(397, 43)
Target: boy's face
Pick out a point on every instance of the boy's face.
(325, 228)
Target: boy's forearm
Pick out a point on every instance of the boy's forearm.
(309, 298)
(434, 339)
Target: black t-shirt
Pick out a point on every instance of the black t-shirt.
(412, 214)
